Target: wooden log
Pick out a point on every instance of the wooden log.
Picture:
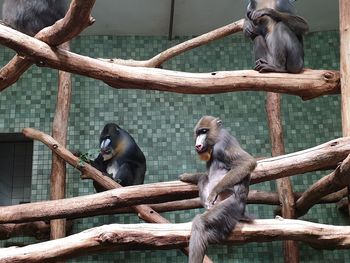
(38, 229)
(321, 157)
(333, 182)
(309, 84)
(254, 197)
(172, 191)
(118, 237)
(344, 24)
(88, 205)
(76, 20)
(59, 132)
(284, 185)
(165, 55)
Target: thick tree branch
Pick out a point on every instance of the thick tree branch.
(309, 84)
(95, 204)
(321, 157)
(333, 182)
(160, 58)
(38, 229)
(76, 20)
(254, 197)
(118, 237)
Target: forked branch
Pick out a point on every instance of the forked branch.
(309, 84)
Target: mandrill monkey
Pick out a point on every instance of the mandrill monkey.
(120, 157)
(223, 189)
(277, 35)
(30, 16)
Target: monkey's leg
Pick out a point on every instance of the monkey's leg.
(214, 226)
(261, 50)
(125, 175)
(293, 48)
(286, 51)
(198, 241)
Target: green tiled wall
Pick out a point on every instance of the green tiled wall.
(162, 124)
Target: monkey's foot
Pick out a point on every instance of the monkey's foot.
(263, 66)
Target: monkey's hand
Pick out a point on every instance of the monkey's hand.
(256, 15)
(190, 178)
(250, 30)
(211, 200)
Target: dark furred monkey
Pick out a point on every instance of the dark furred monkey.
(119, 157)
(30, 16)
(223, 189)
(277, 35)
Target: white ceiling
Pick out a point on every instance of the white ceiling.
(192, 17)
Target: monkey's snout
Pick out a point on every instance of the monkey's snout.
(106, 151)
(199, 148)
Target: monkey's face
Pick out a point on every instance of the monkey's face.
(202, 147)
(206, 132)
(111, 143)
(106, 149)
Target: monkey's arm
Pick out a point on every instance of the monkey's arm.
(239, 170)
(191, 178)
(125, 175)
(296, 23)
(249, 29)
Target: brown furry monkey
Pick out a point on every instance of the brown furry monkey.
(223, 189)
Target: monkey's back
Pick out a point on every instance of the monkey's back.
(30, 16)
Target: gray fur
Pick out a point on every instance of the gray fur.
(227, 198)
(276, 34)
(30, 16)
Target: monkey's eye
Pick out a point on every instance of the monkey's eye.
(202, 131)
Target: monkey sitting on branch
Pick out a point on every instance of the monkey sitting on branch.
(120, 157)
(30, 16)
(223, 189)
(277, 35)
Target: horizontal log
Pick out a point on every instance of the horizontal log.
(254, 197)
(118, 237)
(308, 85)
(38, 229)
(95, 204)
(321, 157)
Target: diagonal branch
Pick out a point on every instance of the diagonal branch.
(160, 58)
(333, 182)
(309, 84)
(118, 237)
(76, 20)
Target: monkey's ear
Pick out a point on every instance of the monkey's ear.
(219, 122)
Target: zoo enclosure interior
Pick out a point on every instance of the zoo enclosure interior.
(219, 74)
